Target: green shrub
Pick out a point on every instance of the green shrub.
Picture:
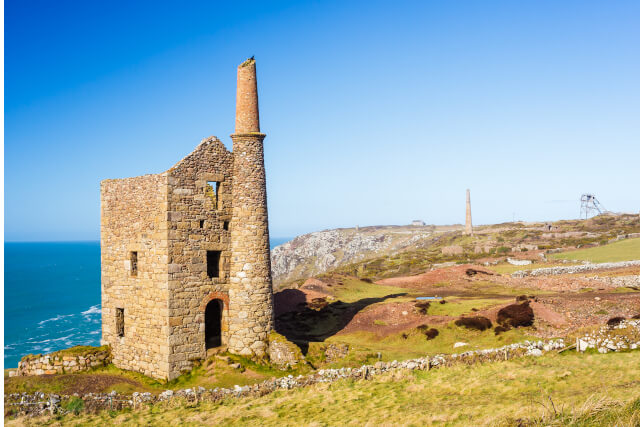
(75, 405)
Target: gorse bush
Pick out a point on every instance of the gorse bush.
(479, 323)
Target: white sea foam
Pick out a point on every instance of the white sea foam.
(94, 309)
(55, 319)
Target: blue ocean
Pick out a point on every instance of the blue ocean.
(52, 297)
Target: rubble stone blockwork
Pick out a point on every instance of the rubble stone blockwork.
(176, 242)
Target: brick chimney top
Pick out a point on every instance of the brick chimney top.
(247, 116)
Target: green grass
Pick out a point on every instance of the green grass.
(518, 392)
(507, 268)
(78, 350)
(353, 290)
(210, 374)
(624, 250)
(396, 347)
(459, 306)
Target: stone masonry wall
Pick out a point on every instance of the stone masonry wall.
(250, 292)
(134, 218)
(54, 363)
(197, 225)
(173, 221)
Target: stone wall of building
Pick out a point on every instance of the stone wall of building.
(199, 221)
(134, 219)
(250, 292)
(200, 237)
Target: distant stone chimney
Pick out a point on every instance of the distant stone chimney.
(468, 227)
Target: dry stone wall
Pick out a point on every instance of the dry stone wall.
(55, 363)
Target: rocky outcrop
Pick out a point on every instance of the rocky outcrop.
(283, 353)
(316, 253)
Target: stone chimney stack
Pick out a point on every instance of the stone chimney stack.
(247, 116)
(250, 288)
(468, 227)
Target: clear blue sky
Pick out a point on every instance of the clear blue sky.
(375, 112)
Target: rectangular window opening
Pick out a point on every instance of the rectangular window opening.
(202, 223)
(133, 257)
(120, 321)
(225, 226)
(213, 263)
(212, 190)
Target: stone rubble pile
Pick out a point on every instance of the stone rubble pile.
(623, 336)
(573, 269)
(39, 403)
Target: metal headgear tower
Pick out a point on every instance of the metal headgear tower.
(590, 206)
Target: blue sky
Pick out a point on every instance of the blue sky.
(375, 112)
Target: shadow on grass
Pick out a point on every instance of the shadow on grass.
(305, 324)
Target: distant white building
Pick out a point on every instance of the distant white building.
(418, 222)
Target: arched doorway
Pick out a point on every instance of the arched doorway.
(213, 324)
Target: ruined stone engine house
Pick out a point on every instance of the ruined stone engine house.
(185, 253)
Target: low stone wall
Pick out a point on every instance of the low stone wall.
(623, 336)
(63, 362)
(573, 269)
(514, 261)
(24, 404)
(623, 281)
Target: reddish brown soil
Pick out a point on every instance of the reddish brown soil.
(565, 306)
(395, 321)
(78, 383)
(440, 275)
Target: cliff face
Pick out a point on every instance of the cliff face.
(318, 252)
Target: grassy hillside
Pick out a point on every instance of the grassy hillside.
(571, 389)
(624, 250)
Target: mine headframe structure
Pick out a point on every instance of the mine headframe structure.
(590, 206)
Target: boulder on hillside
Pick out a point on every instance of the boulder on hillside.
(452, 250)
(283, 353)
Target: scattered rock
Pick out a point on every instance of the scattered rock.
(336, 351)
(615, 321)
(282, 352)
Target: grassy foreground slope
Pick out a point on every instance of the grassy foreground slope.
(624, 250)
(584, 389)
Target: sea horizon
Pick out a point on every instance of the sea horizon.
(53, 296)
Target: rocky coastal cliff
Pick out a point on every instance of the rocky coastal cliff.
(318, 252)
